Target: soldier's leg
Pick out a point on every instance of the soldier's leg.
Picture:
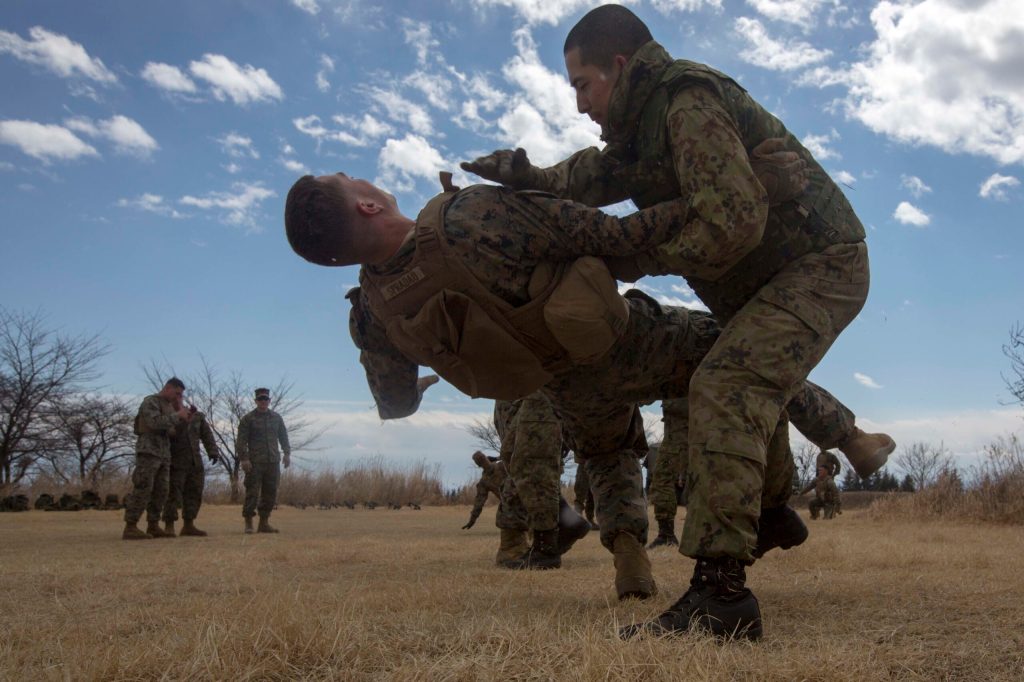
(580, 489)
(252, 482)
(535, 464)
(779, 525)
(270, 476)
(157, 500)
(192, 492)
(175, 493)
(667, 469)
(143, 478)
(814, 506)
(511, 520)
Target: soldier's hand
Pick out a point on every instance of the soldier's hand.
(246, 466)
(507, 166)
(184, 414)
(214, 459)
(423, 383)
(783, 174)
(286, 460)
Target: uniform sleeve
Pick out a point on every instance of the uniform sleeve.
(724, 207)
(153, 420)
(242, 441)
(479, 501)
(390, 375)
(586, 177)
(208, 439)
(807, 488)
(282, 436)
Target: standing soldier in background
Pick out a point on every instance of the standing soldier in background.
(826, 494)
(259, 433)
(669, 471)
(159, 416)
(583, 496)
(187, 473)
(511, 522)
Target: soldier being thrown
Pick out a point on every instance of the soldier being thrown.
(259, 433)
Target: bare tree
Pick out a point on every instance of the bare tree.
(485, 434)
(923, 463)
(39, 367)
(225, 399)
(1014, 351)
(805, 456)
(91, 436)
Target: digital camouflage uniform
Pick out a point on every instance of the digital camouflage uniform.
(259, 434)
(188, 475)
(783, 281)
(826, 497)
(531, 448)
(155, 423)
(671, 464)
(493, 479)
(583, 496)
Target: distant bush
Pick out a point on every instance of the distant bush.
(993, 491)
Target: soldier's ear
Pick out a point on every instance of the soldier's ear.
(368, 207)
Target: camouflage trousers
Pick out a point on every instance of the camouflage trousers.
(531, 448)
(186, 491)
(670, 467)
(738, 393)
(582, 494)
(149, 488)
(261, 489)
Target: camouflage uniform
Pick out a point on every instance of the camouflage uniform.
(783, 280)
(187, 472)
(259, 434)
(830, 461)
(493, 480)
(826, 496)
(155, 423)
(583, 496)
(531, 448)
(671, 464)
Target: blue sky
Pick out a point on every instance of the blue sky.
(146, 149)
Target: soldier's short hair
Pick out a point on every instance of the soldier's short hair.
(317, 221)
(604, 32)
(176, 382)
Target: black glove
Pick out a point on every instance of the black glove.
(510, 168)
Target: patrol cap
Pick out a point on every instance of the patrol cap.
(262, 392)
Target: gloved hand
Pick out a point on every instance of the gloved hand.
(783, 174)
(510, 168)
(469, 525)
(286, 460)
(246, 466)
(214, 458)
(423, 383)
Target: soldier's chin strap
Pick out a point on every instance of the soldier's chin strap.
(446, 182)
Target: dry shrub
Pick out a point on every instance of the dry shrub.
(371, 480)
(994, 492)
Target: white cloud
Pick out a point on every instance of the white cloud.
(309, 6)
(57, 53)
(402, 161)
(357, 132)
(237, 207)
(996, 185)
(538, 11)
(43, 141)
(908, 214)
(844, 177)
(944, 73)
(799, 12)
(402, 110)
(768, 53)
(669, 6)
(915, 184)
(152, 203)
(167, 77)
(436, 88)
(6, 166)
(240, 84)
(865, 380)
(232, 168)
(326, 67)
(238, 146)
(417, 34)
(818, 145)
(127, 136)
(293, 165)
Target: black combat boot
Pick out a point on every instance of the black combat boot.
(153, 529)
(264, 525)
(541, 556)
(190, 529)
(779, 527)
(571, 526)
(169, 529)
(717, 602)
(666, 534)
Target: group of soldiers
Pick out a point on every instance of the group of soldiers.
(169, 473)
(508, 291)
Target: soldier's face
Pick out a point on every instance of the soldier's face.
(263, 403)
(593, 86)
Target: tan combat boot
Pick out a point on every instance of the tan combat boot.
(513, 545)
(169, 529)
(265, 526)
(867, 452)
(633, 577)
(132, 532)
(248, 525)
(153, 528)
(190, 529)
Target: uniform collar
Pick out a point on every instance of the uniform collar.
(639, 77)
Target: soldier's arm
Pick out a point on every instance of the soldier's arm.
(807, 488)
(478, 504)
(153, 420)
(391, 376)
(242, 440)
(282, 436)
(725, 208)
(586, 177)
(208, 439)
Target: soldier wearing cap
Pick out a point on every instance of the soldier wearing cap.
(259, 434)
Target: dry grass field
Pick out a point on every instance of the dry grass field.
(407, 595)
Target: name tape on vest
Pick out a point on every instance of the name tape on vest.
(411, 278)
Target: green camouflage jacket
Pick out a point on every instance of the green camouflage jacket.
(258, 436)
(155, 423)
(185, 442)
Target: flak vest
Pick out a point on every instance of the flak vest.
(821, 217)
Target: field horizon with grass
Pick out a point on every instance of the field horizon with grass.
(407, 595)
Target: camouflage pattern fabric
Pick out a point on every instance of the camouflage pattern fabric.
(149, 488)
(820, 416)
(511, 514)
(259, 434)
(826, 497)
(672, 454)
(532, 451)
(154, 424)
(188, 475)
(261, 488)
(583, 496)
